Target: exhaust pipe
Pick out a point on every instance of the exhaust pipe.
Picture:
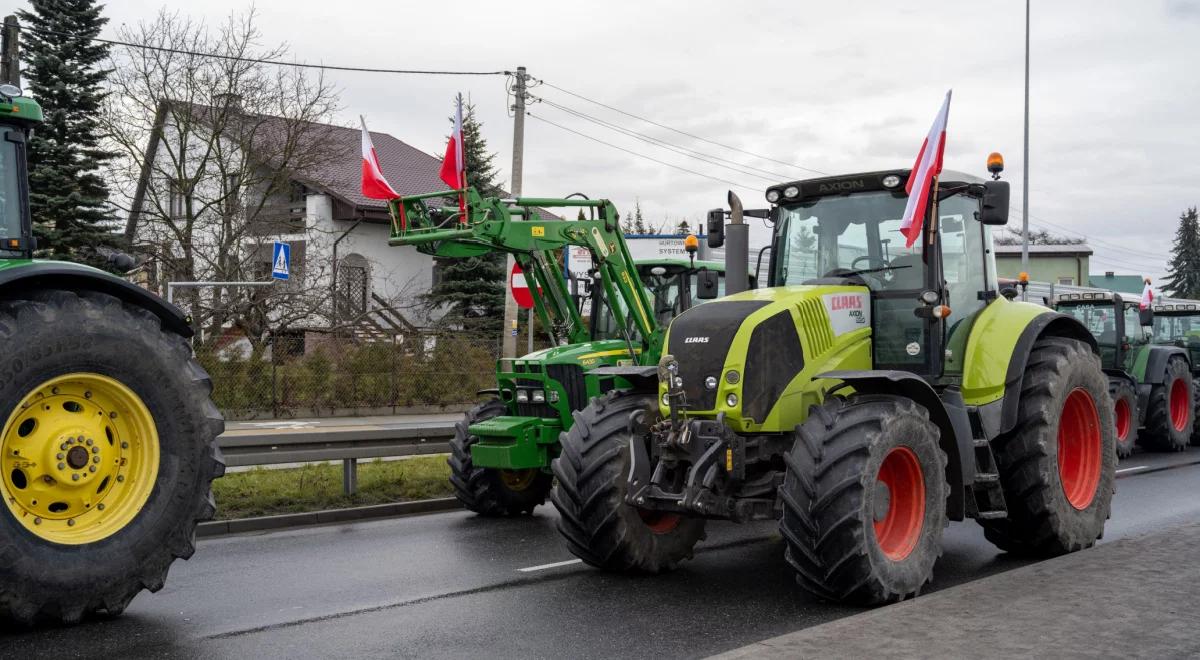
(737, 248)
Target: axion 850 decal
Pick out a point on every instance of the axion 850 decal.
(847, 311)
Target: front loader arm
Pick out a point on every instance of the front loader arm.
(492, 224)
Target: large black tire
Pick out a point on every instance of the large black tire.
(592, 470)
(51, 333)
(1169, 420)
(847, 532)
(1125, 414)
(1064, 401)
(492, 491)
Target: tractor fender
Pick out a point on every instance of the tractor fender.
(76, 277)
(1050, 324)
(948, 412)
(1156, 363)
(1121, 374)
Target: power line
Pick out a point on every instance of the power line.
(1091, 239)
(634, 153)
(685, 133)
(253, 60)
(711, 159)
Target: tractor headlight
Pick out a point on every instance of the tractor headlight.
(710, 383)
(732, 377)
(552, 396)
(522, 396)
(678, 382)
(791, 191)
(666, 400)
(891, 181)
(772, 196)
(539, 396)
(731, 400)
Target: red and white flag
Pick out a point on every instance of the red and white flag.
(453, 171)
(924, 171)
(374, 186)
(1147, 296)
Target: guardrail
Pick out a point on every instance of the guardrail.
(273, 446)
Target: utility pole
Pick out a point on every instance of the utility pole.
(510, 305)
(10, 53)
(1025, 178)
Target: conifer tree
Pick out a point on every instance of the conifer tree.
(68, 195)
(1183, 271)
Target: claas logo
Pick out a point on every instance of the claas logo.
(837, 303)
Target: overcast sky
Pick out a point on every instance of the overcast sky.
(835, 87)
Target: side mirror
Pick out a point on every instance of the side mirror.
(716, 228)
(995, 203)
(708, 284)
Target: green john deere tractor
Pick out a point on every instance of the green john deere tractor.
(1150, 384)
(869, 395)
(109, 438)
(1177, 323)
(501, 452)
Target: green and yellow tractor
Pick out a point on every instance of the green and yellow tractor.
(109, 438)
(501, 451)
(869, 395)
(1177, 323)
(1150, 384)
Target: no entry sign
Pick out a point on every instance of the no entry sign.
(518, 287)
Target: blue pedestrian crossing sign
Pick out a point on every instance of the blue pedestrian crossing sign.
(281, 258)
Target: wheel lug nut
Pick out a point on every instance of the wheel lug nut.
(71, 523)
(54, 390)
(89, 442)
(62, 466)
(120, 477)
(100, 506)
(95, 459)
(92, 468)
(95, 450)
(59, 456)
(63, 446)
(87, 395)
(112, 415)
(75, 477)
(37, 521)
(124, 445)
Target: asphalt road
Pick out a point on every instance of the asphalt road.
(454, 585)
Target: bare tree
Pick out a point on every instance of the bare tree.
(215, 152)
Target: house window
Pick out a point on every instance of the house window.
(1066, 280)
(176, 204)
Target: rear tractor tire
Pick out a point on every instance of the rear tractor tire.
(864, 500)
(1169, 411)
(1125, 415)
(492, 491)
(592, 470)
(1057, 465)
(106, 455)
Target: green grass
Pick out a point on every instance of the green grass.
(262, 492)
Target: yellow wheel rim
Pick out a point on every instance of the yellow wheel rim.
(79, 458)
(518, 480)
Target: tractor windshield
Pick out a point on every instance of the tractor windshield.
(1182, 331)
(666, 296)
(10, 190)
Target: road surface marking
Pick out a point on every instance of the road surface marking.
(1138, 467)
(530, 569)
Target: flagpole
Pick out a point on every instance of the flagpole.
(1025, 178)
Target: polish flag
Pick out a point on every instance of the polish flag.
(374, 186)
(453, 172)
(1147, 296)
(924, 172)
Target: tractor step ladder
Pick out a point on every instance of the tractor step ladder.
(987, 499)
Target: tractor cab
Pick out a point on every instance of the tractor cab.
(846, 231)
(17, 116)
(672, 286)
(1112, 320)
(1178, 324)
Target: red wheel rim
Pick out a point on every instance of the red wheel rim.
(899, 530)
(1079, 448)
(1124, 419)
(659, 522)
(1181, 404)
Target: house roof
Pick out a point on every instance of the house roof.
(1072, 250)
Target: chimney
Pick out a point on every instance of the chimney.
(228, 100)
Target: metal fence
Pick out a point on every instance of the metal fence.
(327, 376)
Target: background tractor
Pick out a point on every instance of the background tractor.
(1177, 323)
(1150, 385)
(868, 395)
(501, 452)
(109, 440)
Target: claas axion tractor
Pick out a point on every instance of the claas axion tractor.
(109, 438)
(1150, 384)
(501, 451)
(869, 394)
